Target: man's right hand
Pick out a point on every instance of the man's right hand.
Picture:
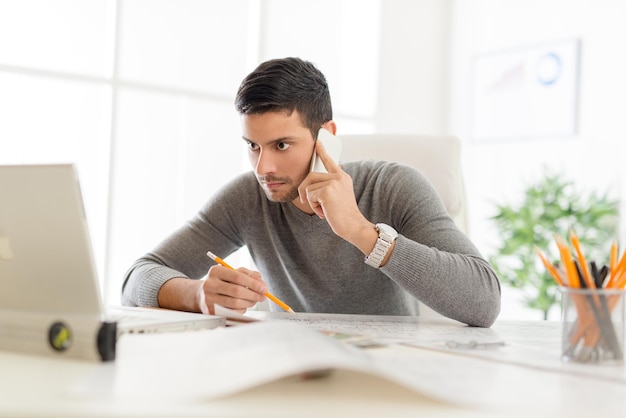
(238, 289)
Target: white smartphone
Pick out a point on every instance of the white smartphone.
(333, 148)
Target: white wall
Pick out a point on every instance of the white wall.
(496, 172)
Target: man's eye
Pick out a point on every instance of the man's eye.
(252, 146)
(283, 146)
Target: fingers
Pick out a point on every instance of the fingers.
(329, 163)
(311, 187)
(254, 274)
(314, 195)
(234, 289)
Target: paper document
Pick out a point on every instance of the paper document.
(204, 365)
(208, 364)
(232, 317)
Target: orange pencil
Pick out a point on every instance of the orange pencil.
(617, 273)
(267, 294)
(585, 316)
(613, 258)
(620, 282)
(566, 257)
(550, 267)
(581, 260)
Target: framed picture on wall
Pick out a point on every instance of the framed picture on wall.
(526, 92)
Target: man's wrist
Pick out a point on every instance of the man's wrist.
(363, 236)
(181, 294)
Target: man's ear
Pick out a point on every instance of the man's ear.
(330, 126)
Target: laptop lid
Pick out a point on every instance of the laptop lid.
(46, 258)
(46, 261)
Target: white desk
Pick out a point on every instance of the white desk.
(525, 377)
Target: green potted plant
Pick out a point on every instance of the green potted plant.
(550, 206)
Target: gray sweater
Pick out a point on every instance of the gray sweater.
(310, 268)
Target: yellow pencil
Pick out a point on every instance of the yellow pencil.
(267, 294)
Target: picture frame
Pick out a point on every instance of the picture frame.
(526, 93)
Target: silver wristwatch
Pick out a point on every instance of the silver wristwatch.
(386, 236)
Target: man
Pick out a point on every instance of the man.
(322, 242)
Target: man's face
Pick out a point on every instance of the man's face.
(280, 149)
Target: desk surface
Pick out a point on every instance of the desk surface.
(519, 374)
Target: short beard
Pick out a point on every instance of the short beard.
(293, 194)
(288, 197)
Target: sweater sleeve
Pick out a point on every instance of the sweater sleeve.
(433, 259)
(183, 253)
(460, 286)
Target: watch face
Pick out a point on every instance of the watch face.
(386, 229)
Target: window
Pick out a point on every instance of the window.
(139, 95)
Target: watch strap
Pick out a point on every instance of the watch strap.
(383, 244)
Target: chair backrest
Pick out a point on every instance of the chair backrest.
(438, 158)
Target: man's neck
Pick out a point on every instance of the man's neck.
(304, 207)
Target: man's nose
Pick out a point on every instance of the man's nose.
(266, 164)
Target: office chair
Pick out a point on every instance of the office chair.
(438, 158)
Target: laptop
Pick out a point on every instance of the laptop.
(50, 301)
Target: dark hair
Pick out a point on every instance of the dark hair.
(287, 84)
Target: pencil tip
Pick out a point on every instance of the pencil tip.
(211, 255)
